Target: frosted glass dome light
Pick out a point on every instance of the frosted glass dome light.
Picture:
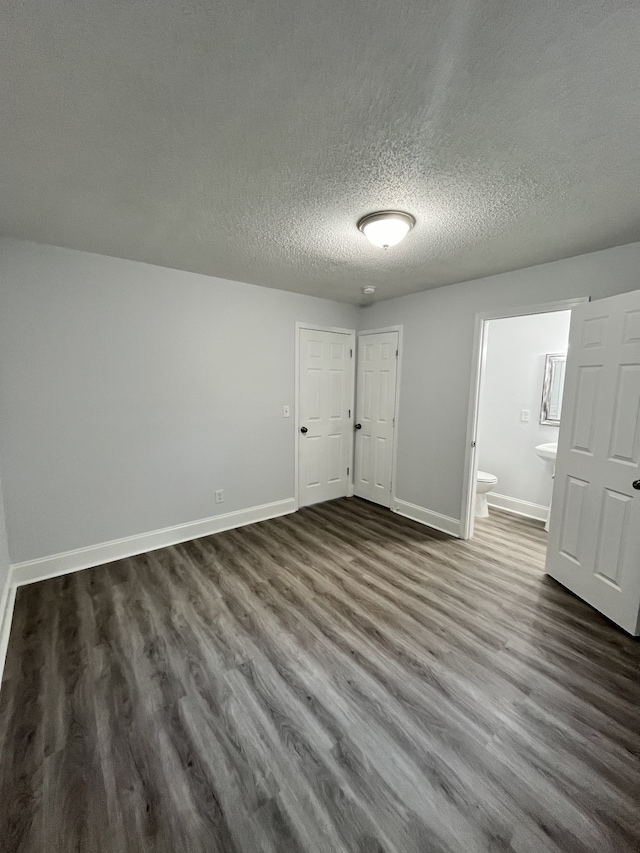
(387, 227)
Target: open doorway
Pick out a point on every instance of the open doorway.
(594, 540)
(514, 409)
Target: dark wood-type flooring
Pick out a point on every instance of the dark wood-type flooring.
(340, 679)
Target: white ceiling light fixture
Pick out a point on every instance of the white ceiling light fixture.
(369, 289)
(386, 227)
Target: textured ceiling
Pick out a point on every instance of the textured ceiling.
(244, 139)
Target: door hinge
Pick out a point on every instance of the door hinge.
(394, 422)
(350, 353)
(473, 444)
(348, 472)
(349, 412)
(396, 353)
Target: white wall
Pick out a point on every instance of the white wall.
(512, 381)
(437, 355)
(129, 393)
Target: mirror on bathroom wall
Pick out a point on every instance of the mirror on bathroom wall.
(552, 388)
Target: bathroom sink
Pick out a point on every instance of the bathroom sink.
(548, 451)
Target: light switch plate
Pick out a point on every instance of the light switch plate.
(525, 416)
(286, 411)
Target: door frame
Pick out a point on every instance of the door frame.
(478, 362)
(315, 327)
(396, 403)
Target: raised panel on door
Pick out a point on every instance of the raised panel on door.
(314, 349)
(575, 496)
(325, 424)
(385, 411)
(625, 434)
(337, 379)
(375, 413)
(312, 464)
(631, 329)
(363, 461)
(586, 403)
(365, 402)
(382, 476)
(612, 536)
(594, 537)
(335, 457)
(387, 350)
(314, 394)
(594, 331)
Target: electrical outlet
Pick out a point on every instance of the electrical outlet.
(219, 496)
(286, 411)
(525, 415)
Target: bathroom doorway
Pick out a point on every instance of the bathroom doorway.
(514, 409)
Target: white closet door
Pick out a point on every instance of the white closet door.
(325, 398)
(375, 415)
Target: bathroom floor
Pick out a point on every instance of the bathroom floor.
(501, 524)
(340, 679)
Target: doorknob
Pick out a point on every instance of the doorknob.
(303, 430)
(358, 426)
(636, 484)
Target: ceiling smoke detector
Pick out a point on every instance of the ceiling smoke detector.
(386, 227)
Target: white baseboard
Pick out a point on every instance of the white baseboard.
(444, 523)
(4, 594)
(6, 615)
(32, 571)
(518, 507)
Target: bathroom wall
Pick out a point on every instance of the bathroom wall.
(512, 383)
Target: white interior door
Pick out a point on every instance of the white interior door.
(375, 415)
(325, 426)
(594, 539)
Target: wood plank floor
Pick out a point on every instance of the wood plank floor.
(340, 679)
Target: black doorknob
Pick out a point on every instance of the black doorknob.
(358, 426)
(636, 484)
(303, 430)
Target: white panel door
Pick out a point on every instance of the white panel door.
(594, 538)
(375, 415)
(325, 401)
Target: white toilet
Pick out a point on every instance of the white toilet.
(484, 483)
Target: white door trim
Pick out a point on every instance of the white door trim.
(296, 405)
(477, 367)
(394, 457)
